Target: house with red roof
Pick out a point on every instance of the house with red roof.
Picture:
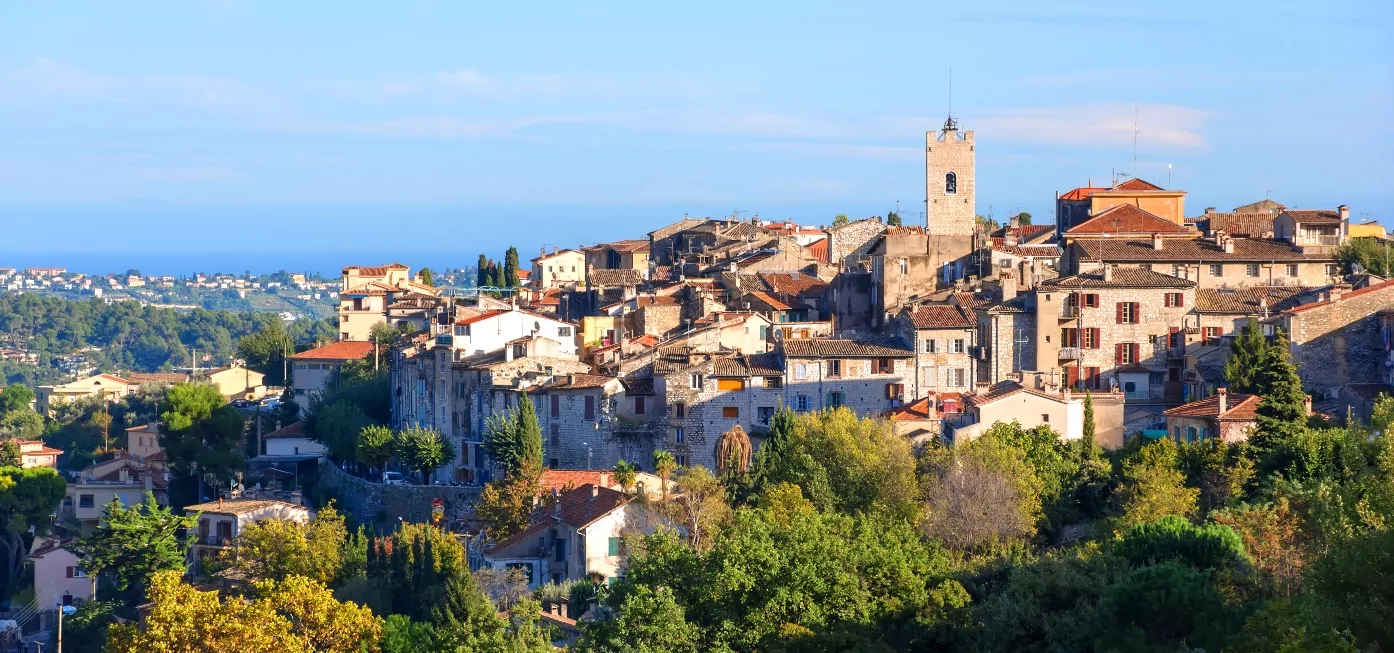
(570, 535)
(1080, 204)
(1221, 415)
(107, 387)
(366, 292)
(311, 370)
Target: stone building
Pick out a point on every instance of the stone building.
(950, 200)
(1211, 262)
(705, 395)
(576, 413)
(619, 255)
(1228, 417)
(945, 338)
(1123, 325)
(1338, 339)
(662, 241)
(867, 376)
(850, 243)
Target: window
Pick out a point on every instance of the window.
(1172, 300)
(904, 267)
(1092, 378)
(836, 399)
(639, 406)
(556, 435)
(84, 501)
(1091, 300)
(681, 459)
(1176, 431)
(590, 407)
(1333, 270)
(678, 435)
(763, 414)
(1178, 271)
(764, 332)
(559, 550)
(727, 385)
(564, 331)
(774, 382)
(680, 410)
(800, 372)
(1045, 418)
(895, 390)
(1126, 353)
(730, 412)
(556, 406)
(951, 183)
(1130, 387)
(1251, 269)
(614, 549)
(884, 365)
(956, 346)
(957, 377)
(554, 463)
(1292, 269)
(1190, 434)
(801, 403)
(76, 572)
(930, 345)
(1146, 266)
(1217, 269)
(1091, 338)
(1128, 312)
(1210, 333)
(834, 368)
(695, 382)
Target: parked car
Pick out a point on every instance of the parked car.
(393, 478)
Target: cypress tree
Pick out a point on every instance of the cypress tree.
(481, 273)
(1245, 359)
(1282, 415)
(1090, 445)
(510, 267)
(529, 434)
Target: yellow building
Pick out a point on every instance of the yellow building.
(560, 269)
(1370, 229)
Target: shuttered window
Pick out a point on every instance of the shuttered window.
(730, 384)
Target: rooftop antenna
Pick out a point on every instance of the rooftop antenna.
(1136, 131)
(949, 124)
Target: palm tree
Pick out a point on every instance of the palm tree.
(625, 473)
(664, 464)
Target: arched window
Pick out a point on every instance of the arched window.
(951, 183)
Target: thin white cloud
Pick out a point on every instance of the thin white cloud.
(46, 80)
(1109, 125)
(844, 150)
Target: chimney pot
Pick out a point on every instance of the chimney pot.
(595, 491)
(1156, 241)
(1223, 395)
(1108, 273)
(605, 479)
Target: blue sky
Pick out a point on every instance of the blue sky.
(229, 125)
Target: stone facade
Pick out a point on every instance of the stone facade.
(824, 374)
(950, 181)
(1008, 332)
(576, 414)
(849, 296)
(850, 242)
(943, 359)
(706, 395)
(1338, 340)
(375, 503)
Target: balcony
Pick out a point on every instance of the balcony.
(1068, 312)
(445, 340)
(1071, 353)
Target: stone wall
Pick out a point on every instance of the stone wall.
(950, 213)
(850, 242)
(382, 504)
(1339, 342)
(999, 333)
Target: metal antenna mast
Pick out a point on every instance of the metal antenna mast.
(1136, 131)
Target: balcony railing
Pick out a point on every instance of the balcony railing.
(1320, 240)
(1070, 353)
(1068, 312)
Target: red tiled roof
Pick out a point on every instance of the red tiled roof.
(346, 350)
(1137, 184)
(1252, 225)
(793, 283)
(294, 430)
(830, 347)
(579, 507)
(1202, 250)
(905, 231)
(1241, 407)
(1081, 193)
(1002, 391)
(157, 377)
(1383, 285)
(770, 301)
(1024, 233)
(819, 249)
(917, 410)
(1125, 219)
(480, 317)
(1245, 301)
(647, 340)
(367, 272)
(1119, 278)
(1314, 216)
(574, 382)
(942, 316)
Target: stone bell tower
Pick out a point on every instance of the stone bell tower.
(950, 201)
(950, 162)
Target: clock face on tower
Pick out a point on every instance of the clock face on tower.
(951, 183)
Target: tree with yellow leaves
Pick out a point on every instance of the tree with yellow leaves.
(292, 616)
(274, 549)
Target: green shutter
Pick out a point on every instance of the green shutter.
(614, 546)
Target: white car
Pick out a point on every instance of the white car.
(393, 478)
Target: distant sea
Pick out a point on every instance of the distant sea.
(328, 264)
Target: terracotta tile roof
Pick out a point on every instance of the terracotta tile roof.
(834, 347)
(570, 479)
(905, 231)
(157, 377)
(1122, 278)
(1245, 301)
(573, 382)
(1384, 285)
(1314, 216)
(680, 225)
(614, 278)
(237, 506)
(1137, 184)
(766, 364)
(1024, 233)
(1081, 193)
(1002, 391)
(1026, 251)
(818, 249)
(942, 316)
(346, 350)
(638, 386)
(622, 246)
(794, 283)
(770, 301)
(579, 507)
(1200, 250)
(1241, 407)
(1125, 219)
(293, 430)
(413, 303)
(480, 317)
(367, 272)
(1248, 225)
(917, 410)
(972, 300)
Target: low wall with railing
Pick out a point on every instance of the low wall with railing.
(375, 503)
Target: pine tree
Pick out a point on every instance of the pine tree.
(1282, 415)
(481, 273)
(1245, 359)
(892, 219)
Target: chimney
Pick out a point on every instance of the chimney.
(571, 379)
(1014, 222)
(220, 503)
(561, 608)
(556, 501)
(508, 353)
(981, 388)
(595, 490)
(1229, 245)
(1209, 210)
(1009, 239)
(1008, 283)
(605, 479)
(1157, 241)
(1345, 213)
(1223, 395)
(1108, 273)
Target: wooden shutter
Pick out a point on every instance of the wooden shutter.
(1180, 299)
(1137, 350)
(1118, 315)
(1137, 313)
(1098, 342)
(1072, 376)
(70, 572)
(1118, 354)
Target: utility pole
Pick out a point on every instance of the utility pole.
(60, 627)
